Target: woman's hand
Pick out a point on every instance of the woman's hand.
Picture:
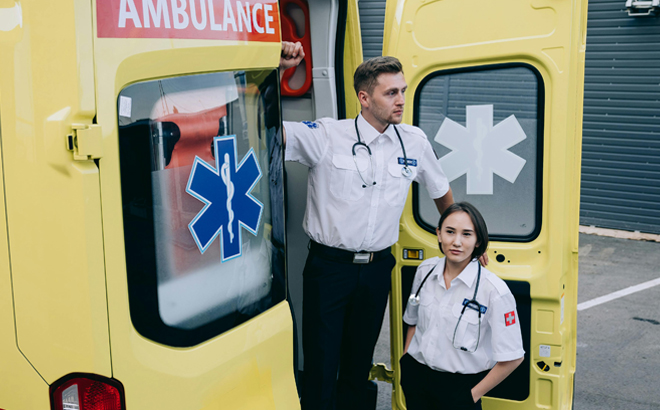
(498, 373)
(474, 398)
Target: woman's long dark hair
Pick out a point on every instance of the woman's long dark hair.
(480, 228)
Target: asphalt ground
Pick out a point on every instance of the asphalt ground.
(618, 342)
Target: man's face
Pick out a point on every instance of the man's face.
(386, 101)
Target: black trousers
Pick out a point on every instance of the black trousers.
(343, 307)
(428, 389)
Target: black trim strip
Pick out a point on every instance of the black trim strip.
(339, 58)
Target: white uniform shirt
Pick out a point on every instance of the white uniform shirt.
(340, 212)
(438, 312)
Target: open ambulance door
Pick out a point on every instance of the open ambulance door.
(497, 87)
(193, 204)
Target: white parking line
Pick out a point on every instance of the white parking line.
(618, 294)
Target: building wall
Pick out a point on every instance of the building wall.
(621, 136)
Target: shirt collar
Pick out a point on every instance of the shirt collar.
(368, 133)
(467, 276)
(438, 272)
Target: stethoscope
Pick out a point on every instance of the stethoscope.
(405, 171)
(472, 304)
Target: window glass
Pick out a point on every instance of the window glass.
(201, 172)
(486, 127)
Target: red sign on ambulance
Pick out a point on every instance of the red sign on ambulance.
(251, 20)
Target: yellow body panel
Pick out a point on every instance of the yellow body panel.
(53, 204)
(18, 380)
(428, 36)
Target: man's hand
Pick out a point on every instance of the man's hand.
(292, 55)
(483, 259)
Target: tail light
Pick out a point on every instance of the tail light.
(87, 392)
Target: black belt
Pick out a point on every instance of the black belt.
(344, 256)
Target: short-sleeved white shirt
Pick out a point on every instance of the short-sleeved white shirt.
(438, 312)
(340, 212)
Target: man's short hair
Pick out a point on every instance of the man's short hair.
(366, 75)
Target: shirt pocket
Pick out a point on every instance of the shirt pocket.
(345, 182)
(396, 191)
(425, 309)
(465, 331)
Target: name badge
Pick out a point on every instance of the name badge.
(471, 306)
(411, 162)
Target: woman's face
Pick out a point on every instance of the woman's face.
(457, 237)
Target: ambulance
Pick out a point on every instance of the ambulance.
(151, 246)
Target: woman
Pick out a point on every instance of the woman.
(463, 337)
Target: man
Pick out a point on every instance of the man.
(359, 177)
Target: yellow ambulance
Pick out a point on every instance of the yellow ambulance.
(146, 258)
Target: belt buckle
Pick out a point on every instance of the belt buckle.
(362, 257)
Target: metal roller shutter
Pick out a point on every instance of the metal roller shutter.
(621, 136)
(372, 22)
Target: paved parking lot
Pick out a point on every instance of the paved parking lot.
(618, 350)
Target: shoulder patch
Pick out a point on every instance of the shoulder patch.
(311, 124)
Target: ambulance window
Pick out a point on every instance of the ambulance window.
(203, 202)
(486, 126)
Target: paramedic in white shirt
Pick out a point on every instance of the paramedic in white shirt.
(354, 204)
(464, 335)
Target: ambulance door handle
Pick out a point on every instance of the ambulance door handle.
(85, 141)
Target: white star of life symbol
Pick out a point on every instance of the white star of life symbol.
(481, 149)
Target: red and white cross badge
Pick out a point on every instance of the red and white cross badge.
(510, 318)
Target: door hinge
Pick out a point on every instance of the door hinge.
(85, 141)
(381, 372)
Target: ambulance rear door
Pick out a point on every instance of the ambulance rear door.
(193, 204)
(497, 88)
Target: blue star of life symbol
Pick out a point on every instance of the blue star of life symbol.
(226, 193)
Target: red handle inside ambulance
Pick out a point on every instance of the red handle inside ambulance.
(289, 33)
